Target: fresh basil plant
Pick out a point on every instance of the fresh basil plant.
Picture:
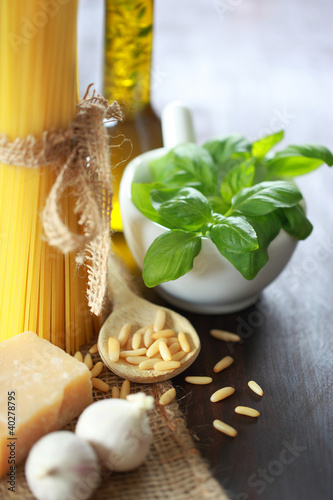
(238, 194)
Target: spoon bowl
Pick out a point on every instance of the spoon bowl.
(130, 308)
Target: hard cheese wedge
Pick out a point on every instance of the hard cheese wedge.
(41, 389)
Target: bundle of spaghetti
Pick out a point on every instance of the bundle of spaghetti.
(41, 289)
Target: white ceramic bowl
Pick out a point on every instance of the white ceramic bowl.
(213, 286)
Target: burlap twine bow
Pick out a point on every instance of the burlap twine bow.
(80, 155)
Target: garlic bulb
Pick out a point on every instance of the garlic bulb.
(118, 430)
(62, 466)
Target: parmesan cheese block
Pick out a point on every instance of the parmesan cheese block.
(41, 389)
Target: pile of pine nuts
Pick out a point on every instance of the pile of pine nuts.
(152, 347)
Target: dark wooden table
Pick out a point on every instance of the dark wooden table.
(255, 67)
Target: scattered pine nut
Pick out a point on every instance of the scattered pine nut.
(222, 394)
(225, 428)
(78, 356)
(115, 393)
(245, 410)
(88, 361)
(124, 334)
(133, 352)
(135, 360)
(93, 349)
(223, 364)
(100, 385)
(125, 389)
(148, 364)
(161, 366)
(147, 338)
(97, 369)
(255, 387)
(175, 347)
(164, 333)
(160, 320)
(168, 396)
(184, 343)
(178, 356)
(136, 341)
(154, 348)
(226, 336)
(164, 351)
(113, 349)
(199, 380)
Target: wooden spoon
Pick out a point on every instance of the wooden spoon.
(129, 308)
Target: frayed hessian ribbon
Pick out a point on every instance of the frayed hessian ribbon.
(80, 155)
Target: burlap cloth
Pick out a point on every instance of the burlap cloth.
(173, 470)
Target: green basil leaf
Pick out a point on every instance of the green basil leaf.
(164, 167)
(295, 222)
(299, 160)
(218, 204)
(262, 146)
(170, 256)
(223, 148)
(184, 208)
(234, 234)
(267, 227)
(265, 197)
(239, 177)
(140, 194)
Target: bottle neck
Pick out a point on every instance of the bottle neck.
(127, 56)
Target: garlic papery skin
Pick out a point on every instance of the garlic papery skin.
(62, 466)
(118, 430)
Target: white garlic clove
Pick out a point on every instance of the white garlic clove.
(118, 430)
(61, 465)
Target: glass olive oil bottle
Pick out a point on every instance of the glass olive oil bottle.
(127, 79)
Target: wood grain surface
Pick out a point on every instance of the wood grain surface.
(255, 67)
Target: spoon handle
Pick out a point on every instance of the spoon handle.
(118, 288)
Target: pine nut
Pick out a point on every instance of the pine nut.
(245, 410)
(172, 340)
(148, 364)
(168, 396)
(255, 387)
(128, 346)
(164, 351)
(136, 360)
(222, 394)
(133, 352)
(154, 348)
(113, 349)
(115, 393)
(166, 365)
(225, 336)
(160, 320)
(88, 361)
(147, 338)
(125, 389)
(163, 333)
(136, 341)
(100, 385)
(141, 330)
(223, 364)
(184, 343)
(198, 380)
(124, 334)
(175, 347)
(78, 356)
(93, 349)
(97, 369)
(225, 428)
(178, 356)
